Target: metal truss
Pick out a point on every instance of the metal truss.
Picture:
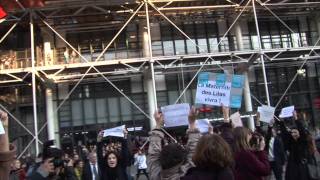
(61, 73)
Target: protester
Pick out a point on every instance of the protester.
(213, 159)
(250, 163)
(141, 163)
(297, 146)
(17, 173)
(91, 170)
(113, 164)
(7, 151)
(276, 151)
(171, 161)
(78, 168)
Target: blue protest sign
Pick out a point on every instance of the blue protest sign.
(236, 101)
(237, 81)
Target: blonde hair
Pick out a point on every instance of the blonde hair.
(240, 139)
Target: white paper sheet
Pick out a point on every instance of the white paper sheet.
(287, 112)
(236, 119)
(266, 113)
(116, 131)
(176, 115)
(1, 128)
(203, 125)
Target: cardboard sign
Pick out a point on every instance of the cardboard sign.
(216, 89)
(287, 112)
(116, 131)
(176, 115)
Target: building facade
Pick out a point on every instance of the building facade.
(102, 64)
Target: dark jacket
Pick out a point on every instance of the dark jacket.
(208, 174)
(298, 152)
(119, 172)
(278, 148)
(87, 174)
(253, 165)
(5, 161)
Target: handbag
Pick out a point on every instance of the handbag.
(314, 167)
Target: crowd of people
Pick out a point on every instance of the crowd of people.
(277, 151)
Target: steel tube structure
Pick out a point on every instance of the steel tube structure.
(34, 92)
(260, 50)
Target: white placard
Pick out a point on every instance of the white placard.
(236, 119)
(210, 93)
(116, 131)
(176, 115)
(1, 128)
(203, 125)
(287, 112)
(266, 113)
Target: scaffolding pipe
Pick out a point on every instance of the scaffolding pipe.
(261, 54)
(196, 7)
(155, 104)
(34, 95)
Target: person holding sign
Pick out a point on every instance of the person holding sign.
(296, 143)
(113, 164)
(7, 151)
(173, 160)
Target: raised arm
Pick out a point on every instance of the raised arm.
(124, 150)
(155, 147)
(101, 160)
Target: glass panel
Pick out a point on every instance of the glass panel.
(202, 43)
(89, 111)
(76, 112)
(101, 105)
(126, 112)
(213, 45)
(173, 96)
(168, 48)
(113, 105)
(191, 46)
(180, 47)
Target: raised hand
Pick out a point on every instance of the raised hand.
(4, 118)
(100, 136)
(192, 117)
(159, 119)
(295, 115)
(225, 112)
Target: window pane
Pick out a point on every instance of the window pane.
(76, 112)
(168, 48)
(126, 111)
(180, 47)
(113, 105)
(173, 95)
(101, 104)
(89, 113)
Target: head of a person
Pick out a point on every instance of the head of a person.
(242, 137)
(92, 158)
(172, 155)
(212, 151)
(76, 157)
(112, 159)
(295, 133)
(140, 152)
(17, 164)
(79, 164)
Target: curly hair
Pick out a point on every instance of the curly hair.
(212, 151)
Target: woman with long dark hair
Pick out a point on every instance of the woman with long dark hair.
(113, 164)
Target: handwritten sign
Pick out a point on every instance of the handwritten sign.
(266, 113)
(216, 89)
(1, 128)
(236, 119)
(176, 115)
(287, 112)
(116, 131)
(203, 125)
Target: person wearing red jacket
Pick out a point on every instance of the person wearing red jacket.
(250, 163)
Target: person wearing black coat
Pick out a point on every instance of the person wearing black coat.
(297, 145)
(276, 152)
(91, 169)
(113, 165)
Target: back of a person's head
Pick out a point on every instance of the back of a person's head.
(241, 141)
(212, 151)
(172, 155)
